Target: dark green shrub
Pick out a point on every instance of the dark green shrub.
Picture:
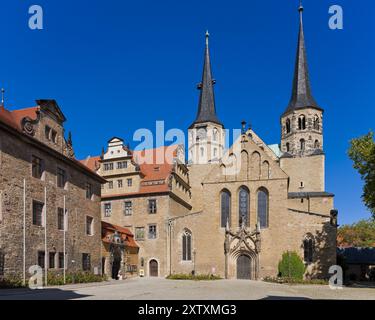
(11, 282)
(291, 266)
(57, 279)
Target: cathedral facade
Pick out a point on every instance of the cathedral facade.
(230, 212)
(255, 202)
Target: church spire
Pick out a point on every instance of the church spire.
(301, 93)
(206, 107)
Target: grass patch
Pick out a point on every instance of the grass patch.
(198, 277)
(295, 281)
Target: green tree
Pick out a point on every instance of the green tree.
(291, 266)
(362, 152)
(359, 234)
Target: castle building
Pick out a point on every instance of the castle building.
(49, 201)
(228, 212)
(144, 189)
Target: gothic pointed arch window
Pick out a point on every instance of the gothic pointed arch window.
(244, 206)
(186, 245)
(263, 207)
(287, 125)
(308, 248)
(301, 122)
(225, 207)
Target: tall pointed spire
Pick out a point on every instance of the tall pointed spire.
(301, 93)
(206, 107)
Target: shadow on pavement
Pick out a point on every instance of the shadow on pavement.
(284, 298)
(42, 294)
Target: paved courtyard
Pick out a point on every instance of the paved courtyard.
(156, 288)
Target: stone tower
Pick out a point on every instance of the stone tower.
(302, 121)
(206, 133)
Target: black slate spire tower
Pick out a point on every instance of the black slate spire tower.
(302, 132)
(301, 92)
(206, 134)
(206, 107)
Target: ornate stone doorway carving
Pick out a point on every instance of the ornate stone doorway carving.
(241, 250)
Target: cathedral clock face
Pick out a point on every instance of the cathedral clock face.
(202, 133)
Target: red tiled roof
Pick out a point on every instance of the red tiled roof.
(14, 118)
(125, 234)
(155, 165)
(91, 162)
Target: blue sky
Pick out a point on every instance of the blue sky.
(116, 66)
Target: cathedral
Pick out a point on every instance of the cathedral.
(229, 212)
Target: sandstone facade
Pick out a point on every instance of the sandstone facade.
(38, 133)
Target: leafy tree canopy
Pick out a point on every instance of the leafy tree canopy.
(359, 234)
(362, 152)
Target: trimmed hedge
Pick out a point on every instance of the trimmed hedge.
(295, 281)
(182, 276)
(291, 266)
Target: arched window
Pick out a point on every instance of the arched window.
(302, 122)
(287, 147)
(302, 144)
(263, 208)
(316, 144)
(186, 245)
(215, 134)
(316, 123)
(244, 205)
(202, 151)
(308, 248)
(287, 125)
(225, 207)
